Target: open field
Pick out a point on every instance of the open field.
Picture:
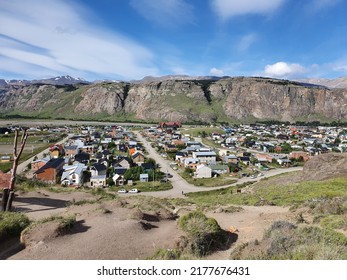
(198, 131)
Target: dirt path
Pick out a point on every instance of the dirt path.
(251, 224)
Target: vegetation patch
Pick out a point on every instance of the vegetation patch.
(204, 235)
(219, 181)
(12, 224)
(224, 197)
(286, 241)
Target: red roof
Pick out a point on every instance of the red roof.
(4, 180)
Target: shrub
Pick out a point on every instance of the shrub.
(204, 234)
(166, 254)
(286, 241)
(12, 224)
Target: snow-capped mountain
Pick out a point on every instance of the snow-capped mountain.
(59, 81)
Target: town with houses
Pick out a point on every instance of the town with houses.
(113, 156)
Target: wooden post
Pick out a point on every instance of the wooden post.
(9, 201)
(4, 199)
(8, 194)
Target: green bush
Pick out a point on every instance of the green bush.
(204, 234)
(12, 224)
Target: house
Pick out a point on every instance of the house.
(170, 148)
(82, 158)
(138, 157)
(148, 166)
(124, 162)
(87, 149)
(245, 160)
(190, 162)
(106, 154)
(118, 179)
(203, 171)
(170, 125)
(219, 169)
(73, 174)
(5, 179)
(263, 157)
(98, 181)
(297, 155)
(180, 155)
(5, 158)
(98, 169)
(284, 161)
(50, 170)
(37, 164)
(205, 157)
(230, 159)
(71, 151)
(144, 177)
(56, 151)
(119, 170)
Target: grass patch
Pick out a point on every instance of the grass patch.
(146, 187)
(299, 193)
(12, 224)
(334, 222)
(285, 241)
(219, 181)
(223, 197)
(166, 254)
(198, 131)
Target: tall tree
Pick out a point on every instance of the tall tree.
(8, 193)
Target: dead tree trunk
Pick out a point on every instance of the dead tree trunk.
(8, 194)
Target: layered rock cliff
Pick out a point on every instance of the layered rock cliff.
(184, 100)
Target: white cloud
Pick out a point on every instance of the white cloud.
(246, 41)
(216, 72)
(55, 37)
(230, 8)
(164, 12)
(284, 70)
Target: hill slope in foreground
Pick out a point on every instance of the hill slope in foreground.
(205, 100)
(89, 225)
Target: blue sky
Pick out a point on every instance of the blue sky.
(124, 40)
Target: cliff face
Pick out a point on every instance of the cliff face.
(183, 100)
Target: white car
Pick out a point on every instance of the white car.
(134, 191)
(122, 191)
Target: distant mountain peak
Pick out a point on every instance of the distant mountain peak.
(340, 82)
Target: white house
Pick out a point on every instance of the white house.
(73, 174)
(203, 171)
(118, 179)
(205, 157)
(98, 181)
(189, 161)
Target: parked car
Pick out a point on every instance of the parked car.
(122, 191)
(134, 191)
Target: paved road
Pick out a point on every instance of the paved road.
(180, 185)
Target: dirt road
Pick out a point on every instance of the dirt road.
(23, 166)
(180, 185)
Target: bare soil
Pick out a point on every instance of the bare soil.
(115, 230)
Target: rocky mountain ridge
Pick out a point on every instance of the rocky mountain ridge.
(190, 100)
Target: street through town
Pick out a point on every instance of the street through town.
(181, 186)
